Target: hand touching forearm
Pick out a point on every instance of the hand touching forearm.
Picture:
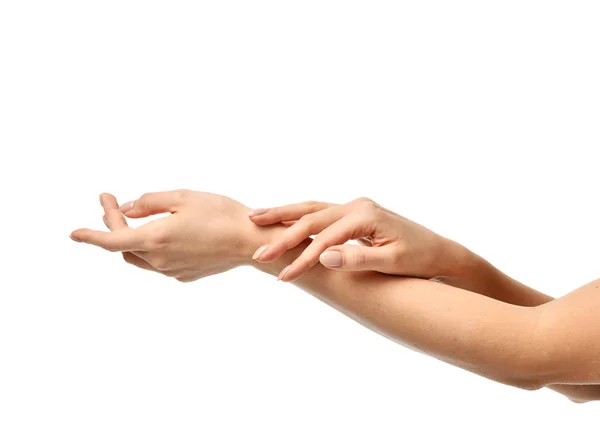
(390, 244)
(468, 330)
(418, 313)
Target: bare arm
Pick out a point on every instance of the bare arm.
(429, 255)
(477, 333)
(391, 244)
(483, 278)
(475, 274)
(528, 346)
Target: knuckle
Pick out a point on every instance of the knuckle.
(182, 195)
(369, 209)
(364, 201)
(307, 222)
(143, 200)
(313, 205)
(359, 258)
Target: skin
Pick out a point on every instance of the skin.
(469, 315)
(390, 244)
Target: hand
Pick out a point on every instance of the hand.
(391, 244)
(204, 235)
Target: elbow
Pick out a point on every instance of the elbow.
(533, 363)
(525, 383)
(531, 373)
(528, 370)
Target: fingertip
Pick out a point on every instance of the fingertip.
(284, 275)
(78, 235)
(272, 252)
(257, 212)
(254, 219)
(126, 207)
(290, 273)
(261, 219)
(331, 258)
(257, 255)
(265, 259)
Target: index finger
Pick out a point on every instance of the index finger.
(122, 240)
(287, 212)
(114, 219)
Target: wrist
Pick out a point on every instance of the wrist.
(460, 262)
(252, 237)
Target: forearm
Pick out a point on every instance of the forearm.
(469, 271)
(478, 275)
(477, 333)
(482, 335)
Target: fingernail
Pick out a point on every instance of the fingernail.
(127, 206)
(331, 259)
(256, 212)
(259, 251)
(283, 273)
(75, 239)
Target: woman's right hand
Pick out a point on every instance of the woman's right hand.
(391, 243)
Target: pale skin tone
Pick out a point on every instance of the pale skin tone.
(455, 306)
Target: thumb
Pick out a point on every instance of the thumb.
(356, 258)
(154, 203)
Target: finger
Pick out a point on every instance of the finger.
(357, 258)
(113, 218)
(305, 227)
(155, 203)
(349, 227)
(287, 212)
(126, 239)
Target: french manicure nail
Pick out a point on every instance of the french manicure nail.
(283, 273)
(259, 251)
(331, 259)
(127, 206)
(256, 212)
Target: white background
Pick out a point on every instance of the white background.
(477, 119)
